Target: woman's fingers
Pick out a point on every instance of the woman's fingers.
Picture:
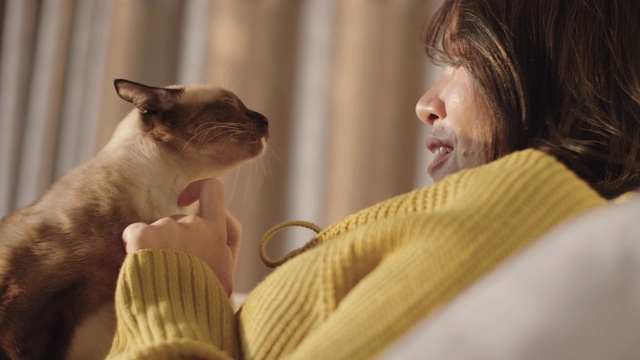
(213, 235)
(191, 194)
(212, 201)
(134, 236)
(234, 234)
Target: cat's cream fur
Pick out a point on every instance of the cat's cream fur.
(59, 258)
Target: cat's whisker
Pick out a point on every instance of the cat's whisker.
(187, 143)
(224, 128)
(204, 134)
(232, 130)
(197, 130)
(205, 138)
(217, 135)
(234, 183)
(267, 166)
(275, 155)
(263, 171)
(246, 188)
(197, 133)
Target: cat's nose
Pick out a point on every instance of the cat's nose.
(261, 119)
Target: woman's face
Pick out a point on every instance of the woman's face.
(460, 136)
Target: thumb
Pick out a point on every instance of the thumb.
(212, 200)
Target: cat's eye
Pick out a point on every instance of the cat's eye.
(230, 101)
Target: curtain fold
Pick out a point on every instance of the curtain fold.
(19, 25)
(84, 84)
(338, 80)
(377, 80)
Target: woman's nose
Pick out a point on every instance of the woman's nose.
(430, 107)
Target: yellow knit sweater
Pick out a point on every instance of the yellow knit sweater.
(365, 281)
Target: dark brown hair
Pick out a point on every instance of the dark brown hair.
(560, 76)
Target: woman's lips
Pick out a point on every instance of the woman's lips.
(440, 156)
(441, 150)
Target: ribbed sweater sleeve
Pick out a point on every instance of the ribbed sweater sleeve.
(170, 305)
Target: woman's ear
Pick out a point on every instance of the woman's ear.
(147, 99)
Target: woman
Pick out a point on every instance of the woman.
(558, 76)
(539, 104)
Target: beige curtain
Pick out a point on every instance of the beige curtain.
(338, 80)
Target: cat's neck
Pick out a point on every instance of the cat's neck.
(157, 175)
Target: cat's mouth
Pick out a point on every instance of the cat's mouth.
(259, 133)
(250, 139)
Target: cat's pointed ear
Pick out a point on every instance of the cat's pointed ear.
(147, 98)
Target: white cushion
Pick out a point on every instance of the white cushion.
(574, 294)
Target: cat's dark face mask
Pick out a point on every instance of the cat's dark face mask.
(212, 124)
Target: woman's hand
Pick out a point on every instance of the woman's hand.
(213, 235)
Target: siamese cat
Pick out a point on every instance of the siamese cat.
(60, 256)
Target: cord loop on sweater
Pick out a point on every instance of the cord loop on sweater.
(269, 234)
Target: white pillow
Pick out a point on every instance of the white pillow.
(574, 294)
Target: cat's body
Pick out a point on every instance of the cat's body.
(60, 257)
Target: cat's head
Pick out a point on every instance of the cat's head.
(207, 123)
